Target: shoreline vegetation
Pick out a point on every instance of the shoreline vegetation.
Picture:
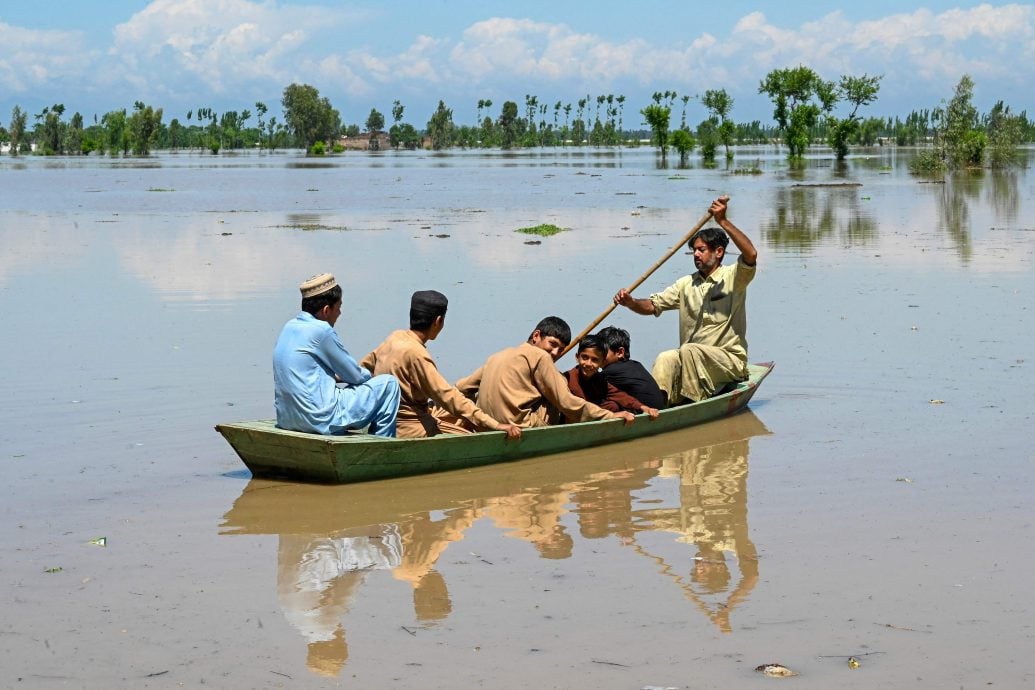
(953, 135)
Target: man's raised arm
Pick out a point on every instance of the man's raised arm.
(747, 249)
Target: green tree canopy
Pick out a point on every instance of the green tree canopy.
(857, 92)
(507, 124)
(16, 131)
(799, 97)
(309, 117)
(143, 126)
(375, 121)
(440, 127)
(719, 104)
(657, 118)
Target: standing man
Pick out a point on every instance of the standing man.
(712, 318)
(404, 354)
(308, 363)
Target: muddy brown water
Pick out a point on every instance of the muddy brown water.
(874, 501)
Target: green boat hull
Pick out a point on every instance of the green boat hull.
(274, 453)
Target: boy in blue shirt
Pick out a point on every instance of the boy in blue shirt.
(309, 361)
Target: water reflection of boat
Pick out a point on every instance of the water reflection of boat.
(276, 453)
(333, 539)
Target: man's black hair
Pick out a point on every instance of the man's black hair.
(712, 236)
(615, 338)
(425, 307)
(593, 342)
(314, 304)
(555, 327)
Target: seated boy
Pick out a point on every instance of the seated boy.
(520, 384)
(404, 354)
(626, 374)
(309, 361)
(586, 381)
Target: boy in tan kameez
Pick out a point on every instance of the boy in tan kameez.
(523, 386)
(404, 354)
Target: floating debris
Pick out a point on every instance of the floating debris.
(54, 569)
(853, 663)
(907, 480)
(775, 670)
(533, 241)
(441, 236)
(99, 541)
(936, 401)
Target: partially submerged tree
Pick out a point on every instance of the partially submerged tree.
(309, 117)
(1005, 134)
(799, 97)
(708, 136)
(440, 127)
(719, 104)
(962, 139)
(507, 125)
(17, 129)
(116, 138)
(857, 92)
(657, 117)
(683, 142)
(143, 126)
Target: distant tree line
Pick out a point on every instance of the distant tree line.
(804, 114)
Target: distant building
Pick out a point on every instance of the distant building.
(365, 141)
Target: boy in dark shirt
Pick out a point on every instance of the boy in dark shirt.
(586, 381)
(626, 374)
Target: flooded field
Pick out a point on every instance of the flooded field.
(871, 504)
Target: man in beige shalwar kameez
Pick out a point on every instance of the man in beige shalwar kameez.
(404, 355)
(712, 318)
(522, 384)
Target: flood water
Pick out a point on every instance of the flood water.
(874, 501)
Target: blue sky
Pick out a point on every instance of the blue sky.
(228, 54)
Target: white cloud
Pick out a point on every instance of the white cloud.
(919, 43)
(219, 43)
(31, 58)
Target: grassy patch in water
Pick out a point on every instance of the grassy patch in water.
(748, 170)
(542, 230)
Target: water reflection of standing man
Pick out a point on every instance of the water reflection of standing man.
(712, 317)
(712, 515)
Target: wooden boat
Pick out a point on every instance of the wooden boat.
(275, 453)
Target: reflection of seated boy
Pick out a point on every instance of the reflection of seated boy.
(586, 381)
(626, 374)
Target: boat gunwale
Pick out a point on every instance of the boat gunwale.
(268, 426)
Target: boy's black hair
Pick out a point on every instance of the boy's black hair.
(615, 338)
(553, 326)
(425, 307)
(712, 236)
(593, 342)
(317, 302)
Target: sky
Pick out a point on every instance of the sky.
(182, 55)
